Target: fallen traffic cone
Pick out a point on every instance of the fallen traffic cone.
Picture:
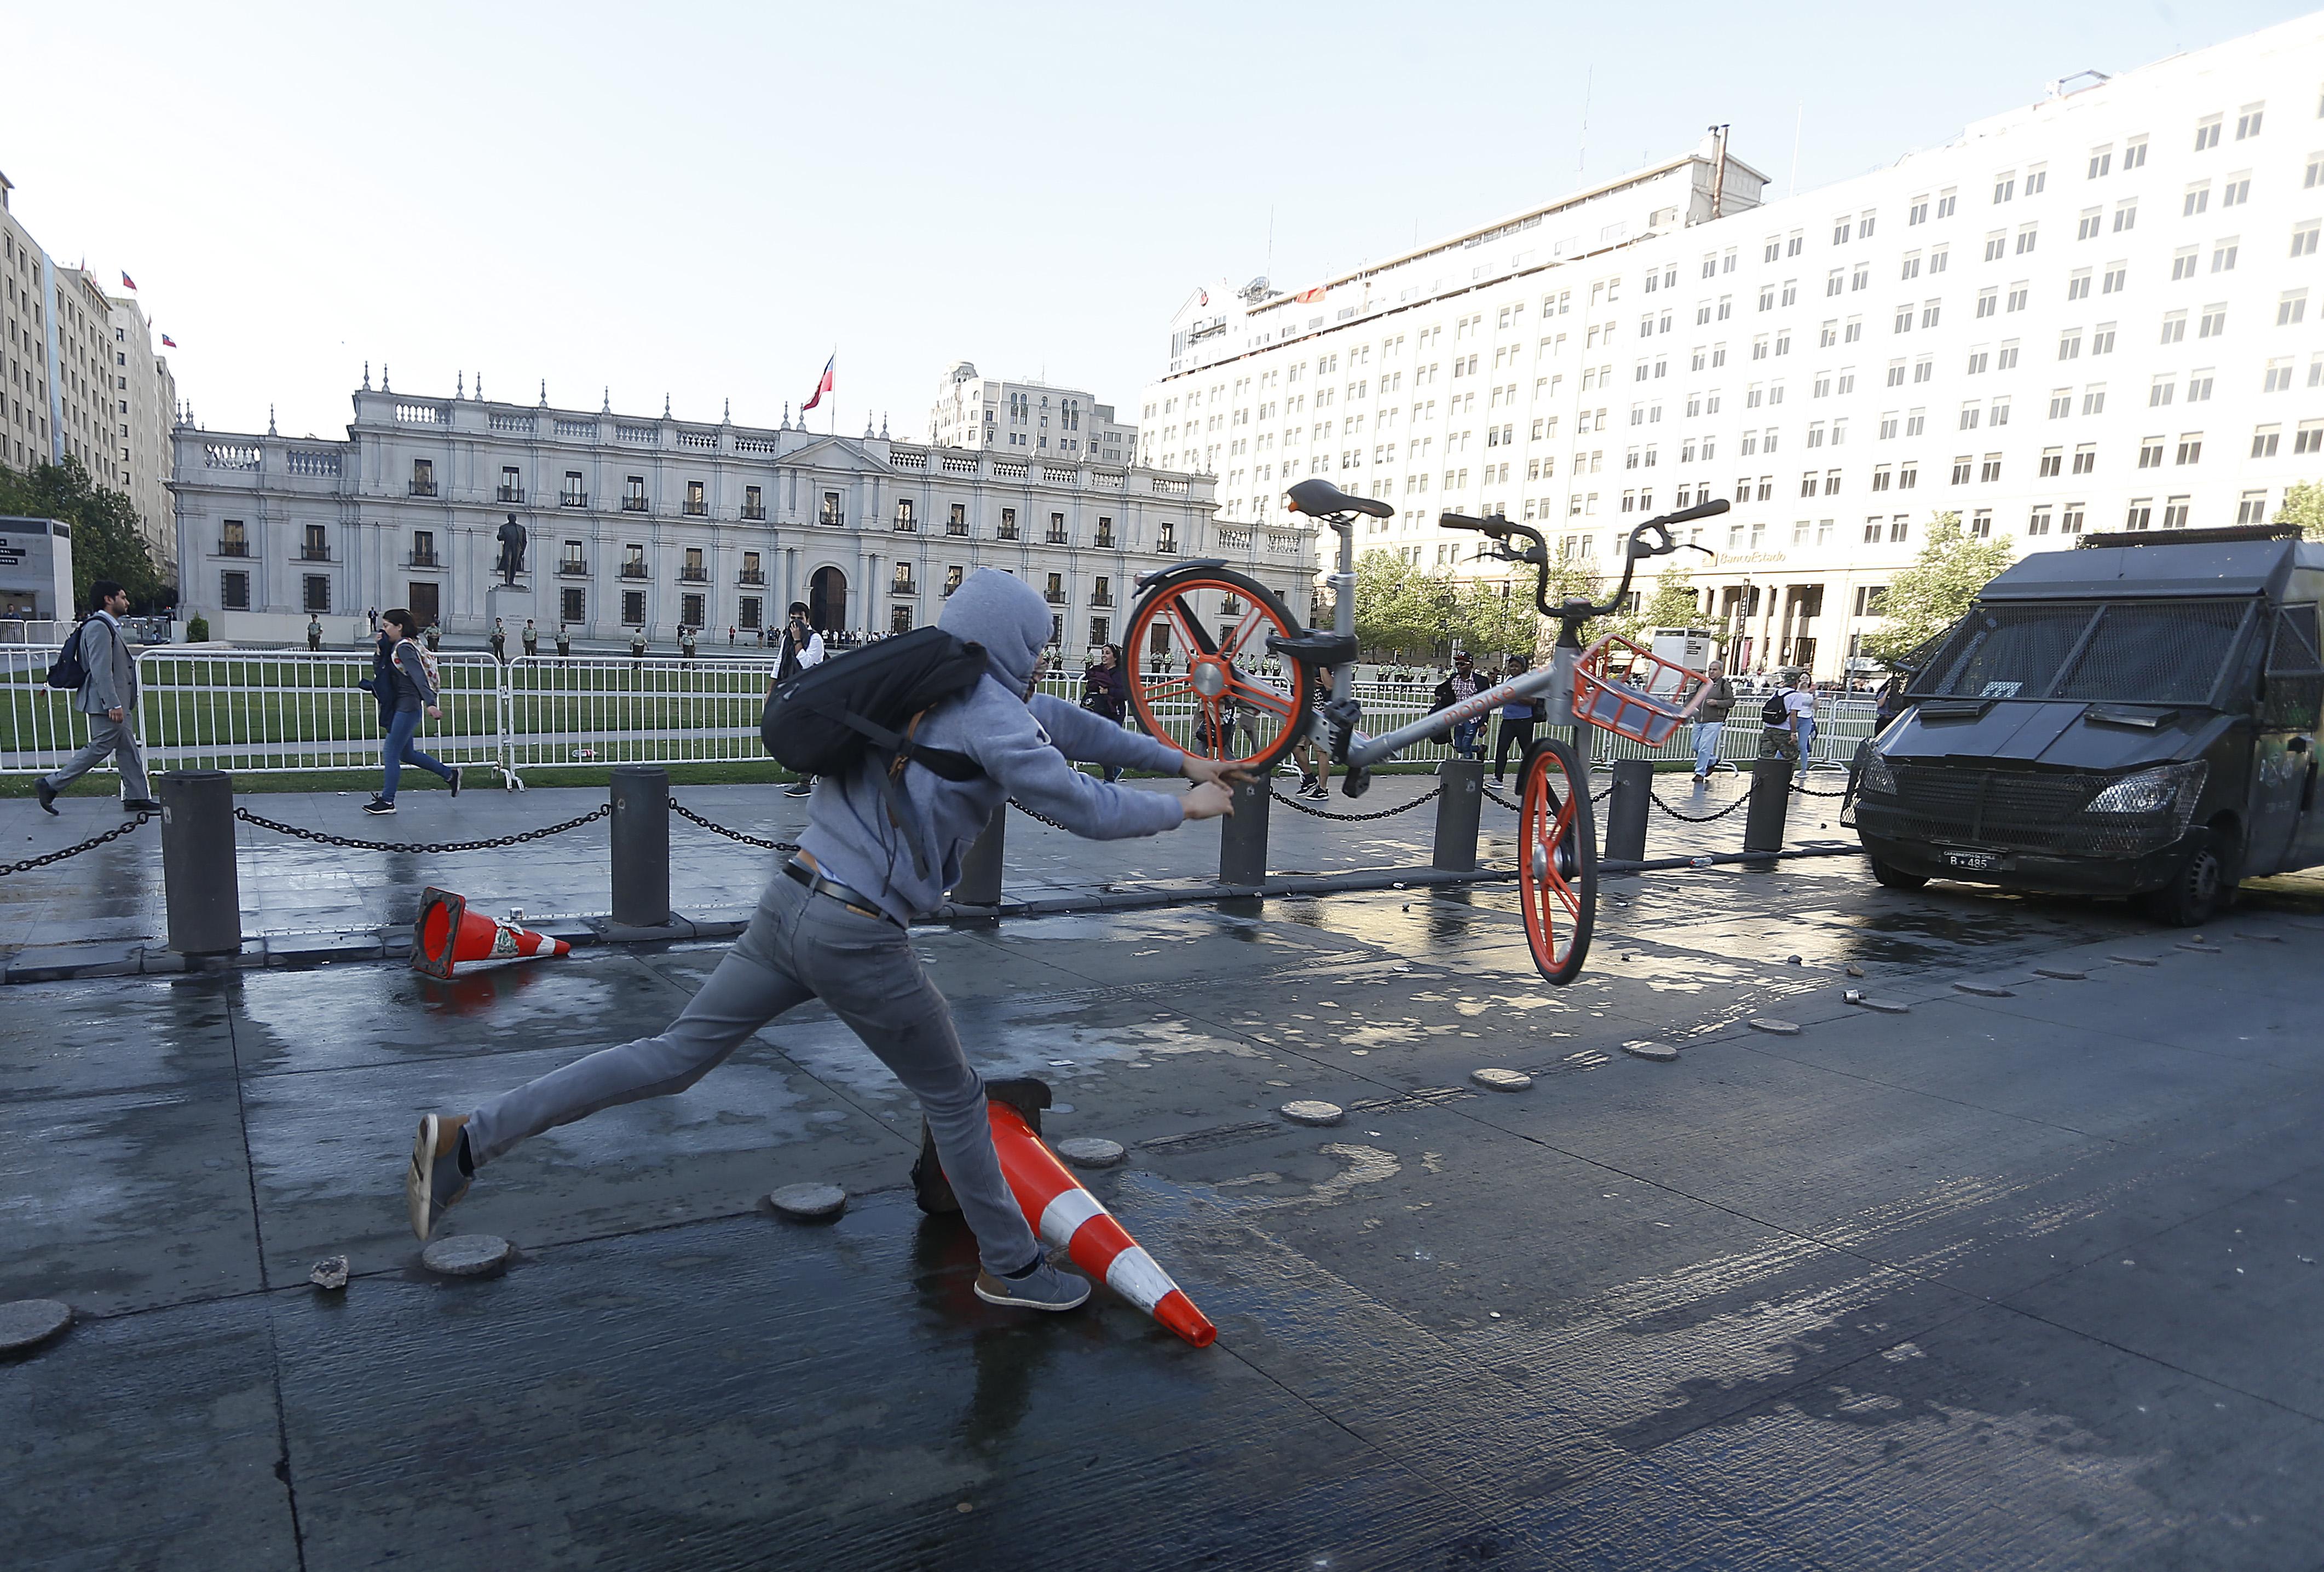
(446, 934)
(1062, 1212)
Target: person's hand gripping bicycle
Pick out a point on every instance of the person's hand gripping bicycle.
(1214, 781)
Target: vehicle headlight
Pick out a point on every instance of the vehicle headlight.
(1877, 776)
(2154, 791)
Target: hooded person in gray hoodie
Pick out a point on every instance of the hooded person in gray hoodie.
(833, 925)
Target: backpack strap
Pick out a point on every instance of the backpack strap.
(902, 750)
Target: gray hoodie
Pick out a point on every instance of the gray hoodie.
(1023, 745)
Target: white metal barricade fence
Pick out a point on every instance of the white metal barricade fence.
(607, 709)
(271, 711)
(39, 727)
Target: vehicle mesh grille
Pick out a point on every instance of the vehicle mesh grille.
(2012, 811)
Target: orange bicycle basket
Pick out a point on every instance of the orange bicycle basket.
(1634, 693)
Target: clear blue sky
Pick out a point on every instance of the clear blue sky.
(702, 200)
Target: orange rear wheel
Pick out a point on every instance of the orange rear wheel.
(1199, 669)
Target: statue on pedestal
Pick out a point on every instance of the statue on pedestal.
(512, 542)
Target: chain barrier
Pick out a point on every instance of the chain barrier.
(434, 848)
(1298, 807)
(1493, 794)
(1811, 792)
(116, 834)
(1041, 818)
(1656, 797)
(691, 817)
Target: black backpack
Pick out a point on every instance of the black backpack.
(69, 671)
(821, 721)
(1772, 713)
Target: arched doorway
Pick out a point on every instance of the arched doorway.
(827, 600)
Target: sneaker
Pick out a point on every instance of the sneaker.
(1042, 1287)
(379, 805)
(456, 781)
(140, 805)
(1306, 785)
(48, 793)
(800, 789)
(436, 1178)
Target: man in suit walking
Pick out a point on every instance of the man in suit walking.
(108, 697)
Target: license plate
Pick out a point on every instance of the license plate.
(1976, 861)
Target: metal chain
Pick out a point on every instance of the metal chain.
(1809, 791)
(691, 817)
(116, 834)
(323, 837)
(1042, 818)
(1656, 797)
(1493, 794)
(1298, 807)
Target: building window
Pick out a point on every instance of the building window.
(2265, 440)
(1167, 539)
(952, 580)
(633, 499)
(1980, 523)
(902, 582)
(2190, 447)
(2039, 524)
(1056, 530)
(1008, 524)
(318, 596)
(234, 540)
(1104, 538)
(908, 521)
(423, 548)
(2252, 508)
(899, 619)
(2174, 513)
(571, 604)
(234, 592)
(692, 571)
(634, 564)
(2140, 513)
(315, 544)
(573, 495)
(697, 505)
(1055, 592)
(634, 608)
(2069, 522)
(749, 613)
(956, 520)
(752, 573)
(423, 477)
(510, 491)
(754, 505)
(690, 610)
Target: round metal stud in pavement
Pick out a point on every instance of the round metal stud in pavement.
(27, 1323)
(1306, 1111)
(1091, 1152)
(808, 1203)
(467, 1256)
(1496, 1079)
(1986, 990)
(1769, 1024)
(1660, 1052)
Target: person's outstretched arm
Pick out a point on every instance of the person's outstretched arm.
(1026, 761)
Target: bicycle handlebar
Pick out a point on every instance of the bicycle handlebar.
(1575, 612)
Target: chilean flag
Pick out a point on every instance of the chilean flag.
(822, 387)
(127, 283)
(167, 342)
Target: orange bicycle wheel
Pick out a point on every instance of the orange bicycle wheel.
(1557, 859)
(1197, 652)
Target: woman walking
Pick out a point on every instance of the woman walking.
(1105, 692)
(403, 680)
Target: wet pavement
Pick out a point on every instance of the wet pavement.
(2021, 1280)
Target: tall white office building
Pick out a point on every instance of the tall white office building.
(1026, 420)
(2093, 312)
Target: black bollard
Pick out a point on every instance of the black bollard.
(1461, 797)
(980, 869)
(1626, 808)
(1771, 799)
(1242, 835)
(641, 845)
(198, 877)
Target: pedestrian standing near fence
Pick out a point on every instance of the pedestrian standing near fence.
(499, 643)
(406, 690)
(1517, 718)
(1105, 692)
(1463, 683)
(1800, 720)
(1710, 720)
(638, 646)
(108, 695)
(532, 637)
(880, 848)
(801, 647)
(314, 633)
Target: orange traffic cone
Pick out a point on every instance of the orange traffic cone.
(446, 934)
(1063, 1213)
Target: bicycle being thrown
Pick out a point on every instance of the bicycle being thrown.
(1211, 695)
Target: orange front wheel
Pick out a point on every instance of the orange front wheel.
(1202, 677)
(1557, 859)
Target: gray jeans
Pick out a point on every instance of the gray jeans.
(117, 738)
(799, 946)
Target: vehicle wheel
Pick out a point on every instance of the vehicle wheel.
(1557, 859)
(2198, 895)
(1893, 878)
(1215, 660)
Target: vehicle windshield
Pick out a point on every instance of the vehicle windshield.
(2169, 652)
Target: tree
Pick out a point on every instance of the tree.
(105, 540)
(1676, 604)
(1934, 593)
(2303, 504)
(1497, 618)
(1400, 607)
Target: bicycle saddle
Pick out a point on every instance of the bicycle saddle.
(1321, 499)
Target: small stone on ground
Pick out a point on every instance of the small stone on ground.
(27, 1323)
(1660, 1052)
(1306, 1111)
(1493, 1078)
(1091, 1152)
(2133, 960)
(466, 1256)
(2062, 973)
(1986, 990)
(1885, 1006)
(1773, 1026)
(810, 1203)
(331, 1271)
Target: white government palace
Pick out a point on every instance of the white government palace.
(2092, 313)
(639, 524)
